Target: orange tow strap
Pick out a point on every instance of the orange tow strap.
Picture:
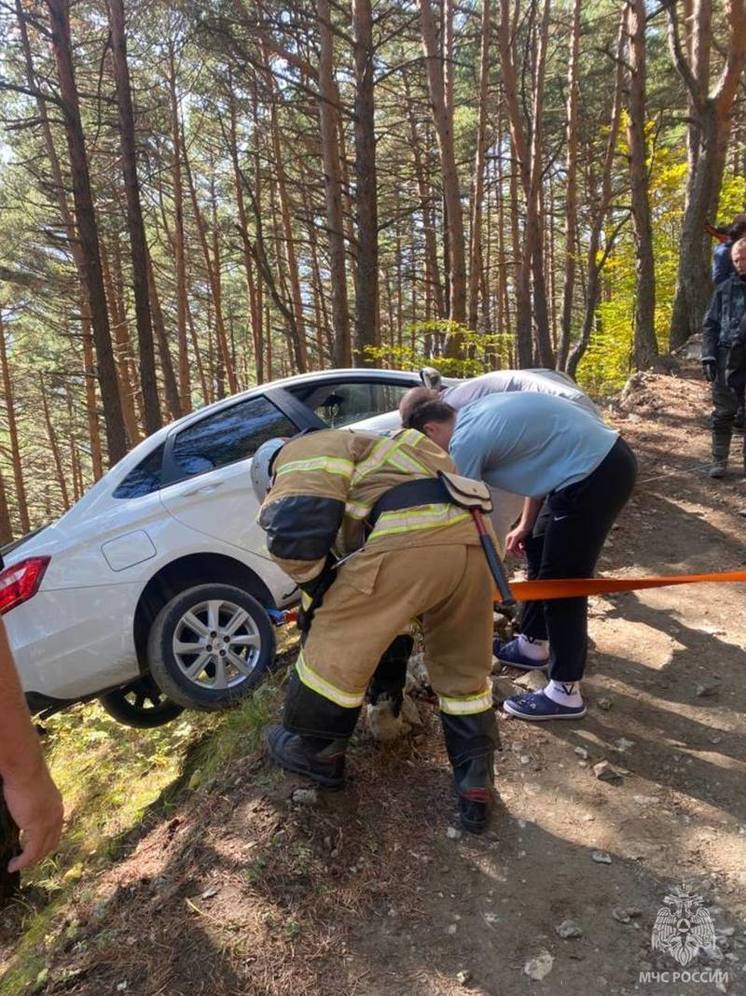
(525, 591)
(579, 587)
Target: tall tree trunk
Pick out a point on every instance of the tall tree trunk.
(534, 230)
(298, 330)
(6, 529)
(170, 384)
(54, 446)
(645, 348)
(68, 222)
(712, 117)
(319, 297)
(206, 392)
(443, 121)
(75, 463)
(521, 170)
(135, 224)
(475, 234)
(251, 300)
(434, 284)
(116, 295)
(530, 171)
(122, 353)
(87, 230)
(328, 114)
(601, 205)
(571, 189)
(212, 268)
(15, 449)
(91, 404)
(366, 199)
(185, 387)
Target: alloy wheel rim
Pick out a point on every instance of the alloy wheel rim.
(216, 644)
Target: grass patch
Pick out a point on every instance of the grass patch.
(116, 782)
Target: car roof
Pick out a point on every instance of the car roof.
(131, 459)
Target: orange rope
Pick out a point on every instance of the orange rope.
(579, 587)
(525, 591)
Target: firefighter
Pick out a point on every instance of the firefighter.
(365, 526)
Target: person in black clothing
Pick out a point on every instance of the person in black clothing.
(722, 264)
(724, 356)
(722, 268)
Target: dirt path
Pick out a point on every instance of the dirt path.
(373, 891)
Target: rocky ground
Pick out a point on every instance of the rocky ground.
(258, 885)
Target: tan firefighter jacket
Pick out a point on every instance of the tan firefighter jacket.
(326, 484)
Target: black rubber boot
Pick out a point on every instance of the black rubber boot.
(390, 676)
(313, 737)
(720, 453)
(321, 760)
(471, 742)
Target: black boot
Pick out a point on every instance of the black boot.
(313, 737)
(390, 676)
(471, 742)
(720, 452)
(321, 760)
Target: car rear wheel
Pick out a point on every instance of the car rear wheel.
(210, 646)
(141, 704)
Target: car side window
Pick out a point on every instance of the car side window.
(144, 478)
(233, 434)
(343, 403)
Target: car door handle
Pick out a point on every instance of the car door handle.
(203, 489)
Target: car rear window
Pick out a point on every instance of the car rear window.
(232, 434)
(144, 479)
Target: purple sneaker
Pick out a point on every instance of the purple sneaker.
(537, 706)
(510, 653)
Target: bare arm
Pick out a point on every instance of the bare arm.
(30, 794)
(515, 539)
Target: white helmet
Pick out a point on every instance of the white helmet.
(261, 466)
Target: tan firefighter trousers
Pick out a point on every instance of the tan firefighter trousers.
(376, 595)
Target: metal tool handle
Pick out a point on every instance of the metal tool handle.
(493, 561)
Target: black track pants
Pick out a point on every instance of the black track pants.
(566, 543)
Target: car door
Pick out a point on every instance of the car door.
(207, 470)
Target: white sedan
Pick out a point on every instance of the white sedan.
(155, 591)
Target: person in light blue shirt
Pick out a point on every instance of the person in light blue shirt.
(530, 444)
(507, 505)
(576, 475)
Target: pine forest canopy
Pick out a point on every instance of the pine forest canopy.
(195, 198)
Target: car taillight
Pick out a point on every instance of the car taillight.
(21, 581)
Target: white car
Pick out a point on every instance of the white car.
(155, 591)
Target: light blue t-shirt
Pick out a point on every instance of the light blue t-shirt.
(528, 443)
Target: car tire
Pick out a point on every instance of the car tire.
(141, 705)
(210, 646)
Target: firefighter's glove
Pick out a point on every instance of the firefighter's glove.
(313, 595)
(710, 368)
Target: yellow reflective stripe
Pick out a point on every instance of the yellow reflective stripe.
(407, 463)
(328, 465)
(466, 705)
(305, 600)
(412, 437)
(357, 510)
(420, 517)
(389, 451)
(314, 681)
(374, 459)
